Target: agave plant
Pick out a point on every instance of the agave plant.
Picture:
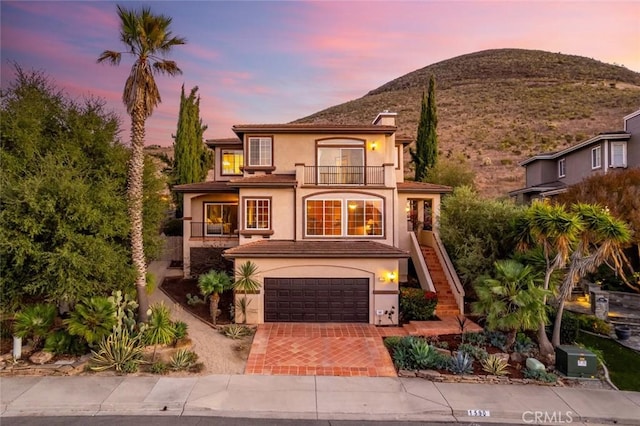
(92, 319)
(462, 363)
(212, 284)
(183, 360)
(34, 321)
(495, 365)
(246, 281)
(119, 351)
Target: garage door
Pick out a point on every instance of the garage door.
(316, 299)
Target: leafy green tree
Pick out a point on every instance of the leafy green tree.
(63, 223)
(512, 301)
(192, 159)
(451, 172)
(147, 37)
(601, 239)
(477, 232)
(554, 231)
(212, 284)
(425, 155)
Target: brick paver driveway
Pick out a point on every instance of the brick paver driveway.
(320, 350)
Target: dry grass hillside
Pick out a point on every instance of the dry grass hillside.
(498, 107)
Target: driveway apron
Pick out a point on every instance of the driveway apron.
(319, 350)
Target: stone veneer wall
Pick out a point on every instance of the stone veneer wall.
(624, 300)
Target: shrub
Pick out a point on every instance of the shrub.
(494, 365)
(194, 300)
(475, 351)
(462, 363)
(235, 331)
(159, 367)
(391, 342)
(542, 376)
(184, 359)
(523, 344)
(414, 353)
(594, 324)
(569, 327)
(180, 330)
(118, 351)
(92, 319)
(173, 228)
(34, 321)
(61, 342)
(478, 339)
(417, 304)
(497, 339)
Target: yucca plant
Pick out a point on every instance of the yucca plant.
(211, 285)
(235, 331)
(180, 329)
(462, 363)
(160, 329)
(183, 360)
(246, 281)
(495, 365)
(119, 351)
(34, 321)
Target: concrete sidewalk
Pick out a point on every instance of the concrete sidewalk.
(313, 397)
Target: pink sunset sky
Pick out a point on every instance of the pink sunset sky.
(274, 62)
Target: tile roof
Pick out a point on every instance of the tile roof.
(265, 180)
(240, 129)
(316, 249)
(223, 141)
(204, 187)
(411, 186)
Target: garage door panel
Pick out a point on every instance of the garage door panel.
(316, 299)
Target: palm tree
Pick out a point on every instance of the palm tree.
(513, 301)
(148, 39)
(554, 230)
(246, 282)
(601, 239)
(213, 283)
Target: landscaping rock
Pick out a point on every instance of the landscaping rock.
(406, 373)
(41, 357)
(428, 374)
(517, 357)
(534, 364)
(443, 351)
(503, 356)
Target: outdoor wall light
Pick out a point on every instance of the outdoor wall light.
(391, 276)
(374, 145)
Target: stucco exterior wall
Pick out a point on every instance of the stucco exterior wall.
(633, 146)
(282, 213)
(383, 294)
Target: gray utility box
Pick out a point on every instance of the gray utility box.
(574, 361)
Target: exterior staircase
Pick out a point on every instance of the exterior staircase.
(447, 305)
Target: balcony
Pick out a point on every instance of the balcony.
(208, 229)
(344, 175)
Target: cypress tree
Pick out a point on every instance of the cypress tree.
(425, 155)
(192, 159)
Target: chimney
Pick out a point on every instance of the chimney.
(385, 118)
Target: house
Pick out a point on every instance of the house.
(324, 212)
(550, 174)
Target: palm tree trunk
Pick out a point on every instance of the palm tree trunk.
(213, 307)
(135, 192)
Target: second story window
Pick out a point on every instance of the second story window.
(232, 160)
(562, 168)
(257, 214)
(260, 149)
(618, 154)
(596, 157)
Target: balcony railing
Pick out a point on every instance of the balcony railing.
(206, 229)
(344, 175)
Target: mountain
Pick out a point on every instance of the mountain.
(498, 107)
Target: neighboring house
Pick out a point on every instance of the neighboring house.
(325, 214)
(550, 174)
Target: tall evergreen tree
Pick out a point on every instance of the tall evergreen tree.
(192, 159)
(148, 38)
(425, 155)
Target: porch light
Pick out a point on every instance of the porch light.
(373, 145)
(391, 276)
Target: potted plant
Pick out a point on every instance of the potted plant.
(623, 332)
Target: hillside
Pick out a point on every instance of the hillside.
(498, 107)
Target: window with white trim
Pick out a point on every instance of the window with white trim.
(257, 214)
(596, 157)
(344, 217)
(562, 168)
(618, 154)
(260, 149)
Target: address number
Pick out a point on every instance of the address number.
(478, 413)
